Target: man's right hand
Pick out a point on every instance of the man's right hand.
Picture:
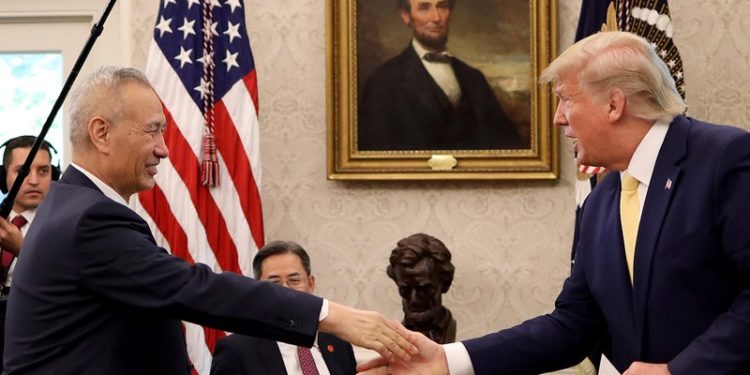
(431, 360)
(370, 330)
(10, 237)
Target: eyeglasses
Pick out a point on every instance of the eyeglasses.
(293, 282)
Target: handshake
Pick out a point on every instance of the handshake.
(430, 360)
(402, 351)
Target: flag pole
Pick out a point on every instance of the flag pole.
(96, 30)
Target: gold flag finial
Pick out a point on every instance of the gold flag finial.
(611, 24)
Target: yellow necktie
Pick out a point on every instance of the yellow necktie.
(629, 217)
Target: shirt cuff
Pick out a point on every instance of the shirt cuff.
(324, 311)
(459, 362)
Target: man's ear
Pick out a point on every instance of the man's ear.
(99, 134)
(617, 103)
(311, 281)
(406, 17)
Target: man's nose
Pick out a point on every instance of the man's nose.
(413, 296)
(434, 15)
(559, 118)
(32, 178)
(161, 151)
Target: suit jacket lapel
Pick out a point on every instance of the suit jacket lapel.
(664, 182)
(615, 260)
(421, 86)
(269, 356)
(75, 177)
(324, 340)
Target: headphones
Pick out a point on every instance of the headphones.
(28, 139)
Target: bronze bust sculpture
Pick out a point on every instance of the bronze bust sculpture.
(422, 269)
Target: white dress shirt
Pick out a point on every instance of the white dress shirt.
(641, 167)
(644, 159)
(291, 361)
(107, 190)
(442, 73)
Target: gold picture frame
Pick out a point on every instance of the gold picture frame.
(350, 52)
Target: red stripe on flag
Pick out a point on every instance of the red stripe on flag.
(230, 146)
(187, 166)
(155, 204)
(251, 83)
(212, 336)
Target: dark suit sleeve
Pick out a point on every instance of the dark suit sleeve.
(226, 360)
(119, 262)
(546, 343)
(725, 346)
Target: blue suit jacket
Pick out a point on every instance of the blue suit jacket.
(690, 303)
(245, 355)
(94, 294)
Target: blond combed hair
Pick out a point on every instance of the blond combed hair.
(621, 60)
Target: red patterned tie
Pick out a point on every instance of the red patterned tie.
(306, 361)
(19, 221)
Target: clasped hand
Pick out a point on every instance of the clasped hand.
(430, 360)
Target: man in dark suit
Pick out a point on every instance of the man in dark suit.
(426, 99)
(33, 189)
(283, 263)
(94, 294)
(663, 255)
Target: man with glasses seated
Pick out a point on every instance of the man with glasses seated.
(287, 264)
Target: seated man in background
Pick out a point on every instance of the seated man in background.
(283, 263)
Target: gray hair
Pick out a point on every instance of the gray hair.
(277, 248)
(625, 61)
(102, 84)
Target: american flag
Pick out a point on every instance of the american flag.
(201, 66)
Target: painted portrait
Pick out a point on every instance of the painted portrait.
(443, 75)
(440, 89)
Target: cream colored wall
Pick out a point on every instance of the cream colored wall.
(510, 240)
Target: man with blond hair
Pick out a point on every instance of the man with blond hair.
(94, 294)
(664, 262)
